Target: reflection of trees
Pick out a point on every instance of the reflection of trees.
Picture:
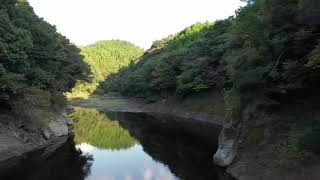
(67, 163)
(95, 128)
(187, 156)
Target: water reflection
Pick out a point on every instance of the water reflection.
(122, 146)
(187, 156)
(165, 151)
(117, 155)
(67, 163)
(95, 128)
(125, 164)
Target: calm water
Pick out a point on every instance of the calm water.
(128, 164)
(126, 147)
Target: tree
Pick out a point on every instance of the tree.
(33, 55)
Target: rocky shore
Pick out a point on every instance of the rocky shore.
(20, 138)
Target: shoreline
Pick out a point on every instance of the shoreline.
(19, 139)
(245, 167)
(174, 109)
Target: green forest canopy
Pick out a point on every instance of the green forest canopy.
(186, 62)
(271, 47)
(267, 55)
(34, 57)
(104, 58)
(97, 129)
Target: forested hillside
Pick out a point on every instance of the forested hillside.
(260, 47)
(104, 58)
(37, 64)
(266, 59)
(181, 63)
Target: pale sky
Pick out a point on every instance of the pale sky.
(138, 21)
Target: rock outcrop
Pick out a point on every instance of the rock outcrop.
(18, 138)
(266, 144)
(59, 127)
(226, 152)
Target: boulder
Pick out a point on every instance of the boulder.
(59, 128)
(46, 134)
(225, 154)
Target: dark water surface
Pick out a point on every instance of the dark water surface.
(127, 147)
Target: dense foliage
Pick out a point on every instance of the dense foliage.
(270, 47)
(104, 58)
(33, 56)
(185, 63)
(96, 129)
(264, 57)
(274, 46)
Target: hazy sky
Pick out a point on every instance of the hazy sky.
(137, 21)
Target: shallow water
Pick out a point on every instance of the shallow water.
(125, 147)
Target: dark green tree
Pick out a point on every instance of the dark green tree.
(33, 55)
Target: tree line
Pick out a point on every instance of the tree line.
(34, 57)
(264, 57)
(104, 58)
(271, 46)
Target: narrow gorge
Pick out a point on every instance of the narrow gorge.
(231, 98)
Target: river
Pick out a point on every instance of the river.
(123, 146)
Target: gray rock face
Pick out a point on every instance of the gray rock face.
(69, 121)
(59, 127)
(227, 149)
(229, 140)
(19, 137)
(225, 154)
(46, 134)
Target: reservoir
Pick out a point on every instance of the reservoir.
(125, 146)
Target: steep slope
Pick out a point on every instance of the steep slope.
(37, 64)
(266, 61)
(33, 55)
(179, 64)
